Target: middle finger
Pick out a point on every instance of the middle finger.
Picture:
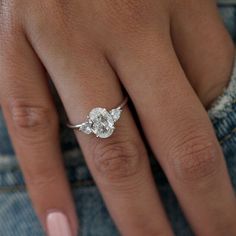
(179, 132)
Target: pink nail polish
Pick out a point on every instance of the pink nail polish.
(58, 225)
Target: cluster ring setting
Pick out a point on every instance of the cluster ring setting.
(100, 121)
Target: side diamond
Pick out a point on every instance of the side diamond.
(115, 113)
(86, 128)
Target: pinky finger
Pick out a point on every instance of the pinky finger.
(32, 123)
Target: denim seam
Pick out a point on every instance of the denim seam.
(76, 184)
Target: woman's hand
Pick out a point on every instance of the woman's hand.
(172, 57)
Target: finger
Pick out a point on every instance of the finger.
(119, 164)
(32, 122)
(180, 133)
(203, 46)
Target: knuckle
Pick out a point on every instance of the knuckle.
(195, 159)
(127, 15)
(31, 121)
(117, 161)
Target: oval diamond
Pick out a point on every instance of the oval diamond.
(102, 122)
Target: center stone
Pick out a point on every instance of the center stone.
(102, 122)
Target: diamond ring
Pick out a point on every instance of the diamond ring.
(100, 121)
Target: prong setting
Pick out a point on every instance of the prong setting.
(100, 122)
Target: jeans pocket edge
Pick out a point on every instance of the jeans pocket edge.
(224, 103)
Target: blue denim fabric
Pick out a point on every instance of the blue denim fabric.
(17, 217)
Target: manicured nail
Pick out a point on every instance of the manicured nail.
(58, 225)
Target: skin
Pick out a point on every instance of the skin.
(172, 57)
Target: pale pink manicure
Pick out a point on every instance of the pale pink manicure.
(58, 225)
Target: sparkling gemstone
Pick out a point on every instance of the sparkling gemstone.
(102, 122)
(115, 113)
(86, 128)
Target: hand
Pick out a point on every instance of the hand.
(172, 57)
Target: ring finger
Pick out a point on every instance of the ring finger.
(119, 164)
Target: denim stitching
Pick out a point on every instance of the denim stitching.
(216, 121)
(230, 133)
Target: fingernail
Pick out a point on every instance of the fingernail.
(58, 225)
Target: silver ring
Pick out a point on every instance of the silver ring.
(100, 121)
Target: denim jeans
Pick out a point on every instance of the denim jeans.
(17, 217)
